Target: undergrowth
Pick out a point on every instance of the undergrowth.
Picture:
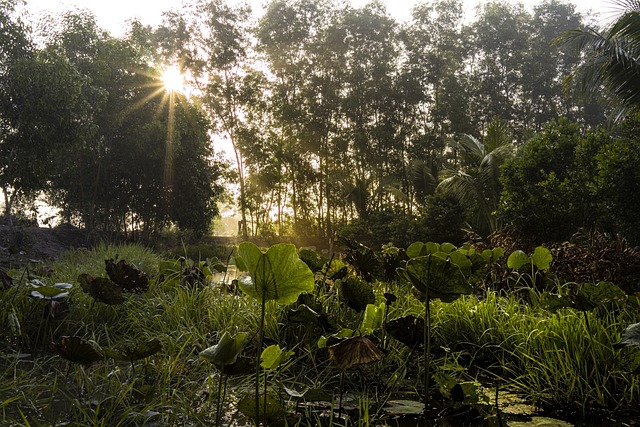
(552, 359)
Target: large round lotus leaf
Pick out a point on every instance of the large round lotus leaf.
(416, 249)
(517, 260)
(542, 258)
(588, 296)
(313, 260)
(101, 289)
(356, 292)
(409, 330)
(77, 350)
(278, 275)
(440, 277)
(227, 350)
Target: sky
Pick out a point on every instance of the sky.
(113, 14)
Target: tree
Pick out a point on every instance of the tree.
(147, 156)
(476, 183)
(611, 57)
(549, 186)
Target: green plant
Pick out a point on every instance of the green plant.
(436, 272)
(277, 275)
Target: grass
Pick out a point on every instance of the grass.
(551, 359)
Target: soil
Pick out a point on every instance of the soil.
(24, 244)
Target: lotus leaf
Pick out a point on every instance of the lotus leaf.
(438, 277)
(588, 296)
(101, 289)
(278, 275)
(273, 357)
(134, 351)
(356, 292)
(77, 350)
(630, 337)
(273, 413)
(518, 259)
(542, 258)
(373, 318)
(227, 350)
(409, 330)
(313, 260)
(354, 351)
(127, 276)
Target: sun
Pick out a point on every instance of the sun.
(173, 79)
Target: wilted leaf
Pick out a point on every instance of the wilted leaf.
(101, 289)
(354, 351)
(134, 351)
(5, 279)
(77, 350)
(128, 277)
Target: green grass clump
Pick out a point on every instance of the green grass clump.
(553, 358)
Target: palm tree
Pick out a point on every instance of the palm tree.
(477, 182)
(611, 57)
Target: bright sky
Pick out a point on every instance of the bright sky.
(113, 14)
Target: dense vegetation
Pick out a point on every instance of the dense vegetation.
(482, 137)
(321, 342)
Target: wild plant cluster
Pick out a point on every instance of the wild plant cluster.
(284, 336)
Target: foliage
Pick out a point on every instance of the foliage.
(549, 186)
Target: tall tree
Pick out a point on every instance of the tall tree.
(611, 57)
